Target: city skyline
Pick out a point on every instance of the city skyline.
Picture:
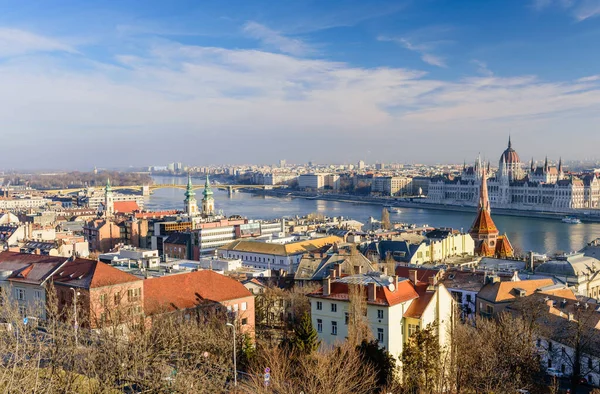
(433, 82)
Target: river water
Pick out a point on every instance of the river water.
(539, 235)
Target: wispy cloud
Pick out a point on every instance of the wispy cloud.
(423, 49)
(15, 42)
(578, 9)
(482, 68)
(274, 40)
(198, 94)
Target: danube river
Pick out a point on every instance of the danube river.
(539, 235)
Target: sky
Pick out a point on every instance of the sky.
(120, 83)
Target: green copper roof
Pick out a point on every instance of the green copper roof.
(189, 191)
(207, 190)
(108, 188)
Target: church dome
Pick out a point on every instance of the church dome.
(510, 156)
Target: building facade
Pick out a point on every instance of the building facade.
(517, 186)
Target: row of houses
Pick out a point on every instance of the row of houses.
(107, 296)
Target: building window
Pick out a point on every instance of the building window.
(333, 307)
(117, 298)
(412, 328)
(37, 295)
(333, 328)
(20, 294)
(244, 306)
(380, 313)
(319, 305)
(590, 363)
(549, 346)
(469, 298)
(103, 299)
(380, 335)
(319, 325)
(244, 321)
(134, 294)
(22, 310)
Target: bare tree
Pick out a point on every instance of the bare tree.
(386, 224)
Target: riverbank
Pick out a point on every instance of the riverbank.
(382, 201)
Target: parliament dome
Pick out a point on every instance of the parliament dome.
(509, 156)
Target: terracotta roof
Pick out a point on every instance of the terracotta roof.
(383, 296)
(423, 274)
(418, 306)
(503, 247)
(126, 206)
(280, 250)
(483, 224)
(187, 290)
(154, 214)
(505, 291)
(91, 274)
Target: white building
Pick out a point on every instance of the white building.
(23, 203)
(273, 256)
(393, 312)
(391, 186)
(319, 181)
(129, 255)
(535, 188)
(23, 278)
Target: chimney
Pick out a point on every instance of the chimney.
(395, 281)
(412, 275)
(384, 270)
(432, 280)
(338, 270)
(332, 273)
(371, 291)
(327, 286)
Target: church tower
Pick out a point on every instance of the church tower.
(190, 204)
(484, 232)
(208, 202)
(109, 202)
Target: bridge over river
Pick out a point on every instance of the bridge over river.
(146, 190)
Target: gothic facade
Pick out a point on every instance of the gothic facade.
(516, 186)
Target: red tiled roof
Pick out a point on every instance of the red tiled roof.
(423, 274)
(503, 247)
(91, 274)
(154, 214)
(504, 291)
(483, 224)
(126, 206)
(187, 290)
(383, 296)
(418, 306)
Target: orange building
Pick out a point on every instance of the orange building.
(488, 242)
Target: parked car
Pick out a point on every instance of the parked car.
(582, 380)
(522, 391)
(555, 372)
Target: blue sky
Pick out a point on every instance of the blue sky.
(112, 83)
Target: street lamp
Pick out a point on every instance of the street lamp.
(75, 294)
(234, 356)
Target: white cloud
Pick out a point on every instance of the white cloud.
(224, 105)
(482, 68)
(274, 40)
(15, 42)
(423, 49)
(578, 9)
(591, 78)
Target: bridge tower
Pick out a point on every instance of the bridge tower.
(145, 190)
(208, 202)
(109, 202)
(230, 190)
(190, 204)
